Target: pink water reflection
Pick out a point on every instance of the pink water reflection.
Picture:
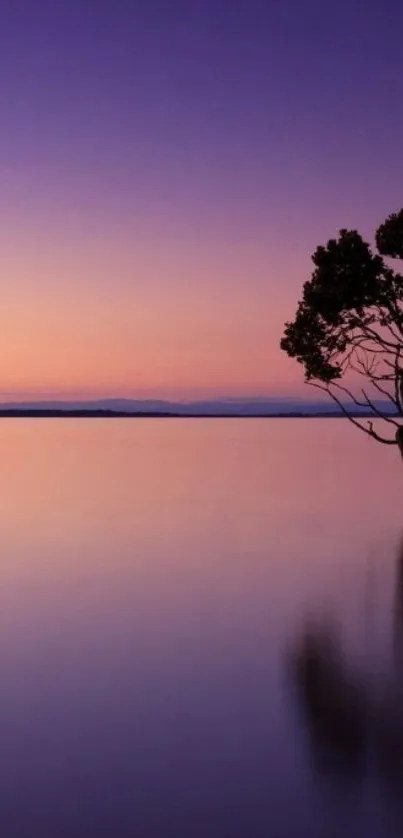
(151, 573)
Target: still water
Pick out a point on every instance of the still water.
(199, 630)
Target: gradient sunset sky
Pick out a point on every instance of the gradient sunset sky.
(167, 168)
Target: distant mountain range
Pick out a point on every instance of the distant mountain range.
(157, 407)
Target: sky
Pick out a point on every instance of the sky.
(167, 167)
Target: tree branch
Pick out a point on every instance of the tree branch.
(384, 392)
(369, 431)
(379, 412)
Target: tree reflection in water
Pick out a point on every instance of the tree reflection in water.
(355, 724)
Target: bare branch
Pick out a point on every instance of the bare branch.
(379, 339)
(348, 393)
(379, 412)
(369, 431)
(384, 392)
(397, 377)
(380, 438)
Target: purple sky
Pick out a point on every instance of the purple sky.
(167, 169)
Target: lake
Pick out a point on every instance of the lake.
(200, 629)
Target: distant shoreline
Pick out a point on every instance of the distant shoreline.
(117, 414)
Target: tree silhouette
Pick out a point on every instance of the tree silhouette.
(349, 325)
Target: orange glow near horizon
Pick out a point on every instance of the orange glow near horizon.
(113, 317)
(165, 178)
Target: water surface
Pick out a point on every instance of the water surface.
(156, 580)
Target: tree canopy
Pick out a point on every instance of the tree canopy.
(348, 329)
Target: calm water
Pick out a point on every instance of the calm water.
(156, 581)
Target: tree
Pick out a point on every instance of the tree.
(348, 328)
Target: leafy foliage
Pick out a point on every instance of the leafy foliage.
(350, 319)
(389, 236)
